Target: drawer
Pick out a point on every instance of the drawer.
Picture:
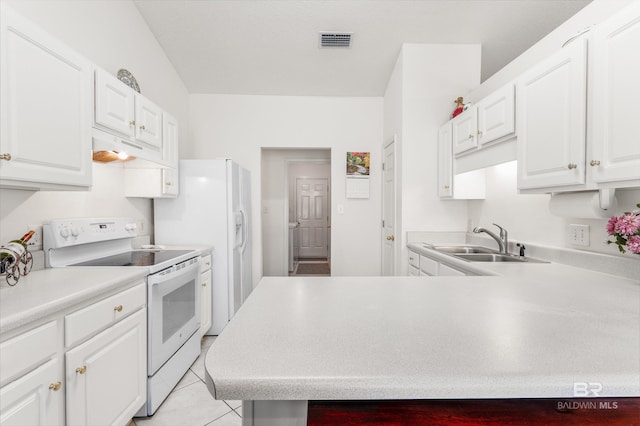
(429, 266)
(28, 350)
(205, 263)
(99, 315)
(414, 259)
(413, 271)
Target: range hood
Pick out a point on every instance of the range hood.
(107, 147)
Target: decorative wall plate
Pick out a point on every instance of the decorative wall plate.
(127, 78)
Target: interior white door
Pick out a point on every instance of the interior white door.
(311, 207)
(388, 210)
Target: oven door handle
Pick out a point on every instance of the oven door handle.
(159, 278)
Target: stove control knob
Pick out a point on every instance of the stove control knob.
(130, 226)
(64, 233)
(75, 232)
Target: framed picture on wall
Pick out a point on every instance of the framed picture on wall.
(358, 174)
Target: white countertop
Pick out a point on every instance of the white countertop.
(301, 338)
(45, 292)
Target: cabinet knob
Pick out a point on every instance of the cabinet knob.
(572, 166)
(204, 284)
(168, 183)
(446, 187)
(208, 263)
(132, 123)
(118, 308)
(471, 136)
(390, 238)
(479, 132)
(594, 163)
(142, 127)
(55, 386)
(81, 370)
(6, 156)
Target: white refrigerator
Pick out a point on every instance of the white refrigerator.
(213, 208)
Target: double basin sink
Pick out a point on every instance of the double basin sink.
(481, 254)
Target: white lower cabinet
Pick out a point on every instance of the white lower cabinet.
(106, 376)
(205, 296)
(31, 377)
(420, 265)
(35, 399)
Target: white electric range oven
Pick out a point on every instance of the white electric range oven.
(173, 293)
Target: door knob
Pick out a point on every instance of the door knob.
(390, 238)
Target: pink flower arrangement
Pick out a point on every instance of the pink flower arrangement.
(625, 231)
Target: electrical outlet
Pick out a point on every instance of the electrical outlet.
(35, 243)
(579, 234)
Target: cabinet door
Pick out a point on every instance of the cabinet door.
(551, 120)
(148, 122)
(205, 302)
(445, 161)
(464, 128)
(34, 399)
(106, 376)
(169, 140)
(114, 104)
(615, 143)
(446, 271)
(169, 182)
(496, 115)
(45, 108)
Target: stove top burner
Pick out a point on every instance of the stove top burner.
(135, 258)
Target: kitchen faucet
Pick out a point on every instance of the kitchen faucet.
(502, 240)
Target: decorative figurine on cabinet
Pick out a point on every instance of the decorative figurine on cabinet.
(459, 107)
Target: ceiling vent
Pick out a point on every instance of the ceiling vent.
(335, 40)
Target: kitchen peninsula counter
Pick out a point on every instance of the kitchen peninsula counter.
(346, 338)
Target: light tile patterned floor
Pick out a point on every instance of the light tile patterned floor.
(191, 404)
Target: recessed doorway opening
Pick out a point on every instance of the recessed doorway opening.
(296, 211)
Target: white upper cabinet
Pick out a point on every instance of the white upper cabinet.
(464, 130)
(616, 90)
(445, 161)
(170, 138)
(45, 110)
(496, 115)
(114, 104)
(148, 122)
(123, 112)
(551, 120)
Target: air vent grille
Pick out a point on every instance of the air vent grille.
(335, 40)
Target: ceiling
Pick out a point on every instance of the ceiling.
(270, 47)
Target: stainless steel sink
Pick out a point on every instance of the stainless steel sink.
(463, 249)
(496, 257)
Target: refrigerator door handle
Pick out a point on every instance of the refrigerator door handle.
(245, 232)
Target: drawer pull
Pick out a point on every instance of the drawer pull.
(118, 308)
(55, 386)
(81, 370)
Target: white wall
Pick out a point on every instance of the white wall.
(113, 35)
(527, 217)
(423, 86)
(238, 126)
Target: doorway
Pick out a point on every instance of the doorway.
(296, 211)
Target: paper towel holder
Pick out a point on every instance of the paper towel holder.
(606, 197)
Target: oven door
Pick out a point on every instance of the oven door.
(173, 310)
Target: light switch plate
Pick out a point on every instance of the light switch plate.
(579, 235)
